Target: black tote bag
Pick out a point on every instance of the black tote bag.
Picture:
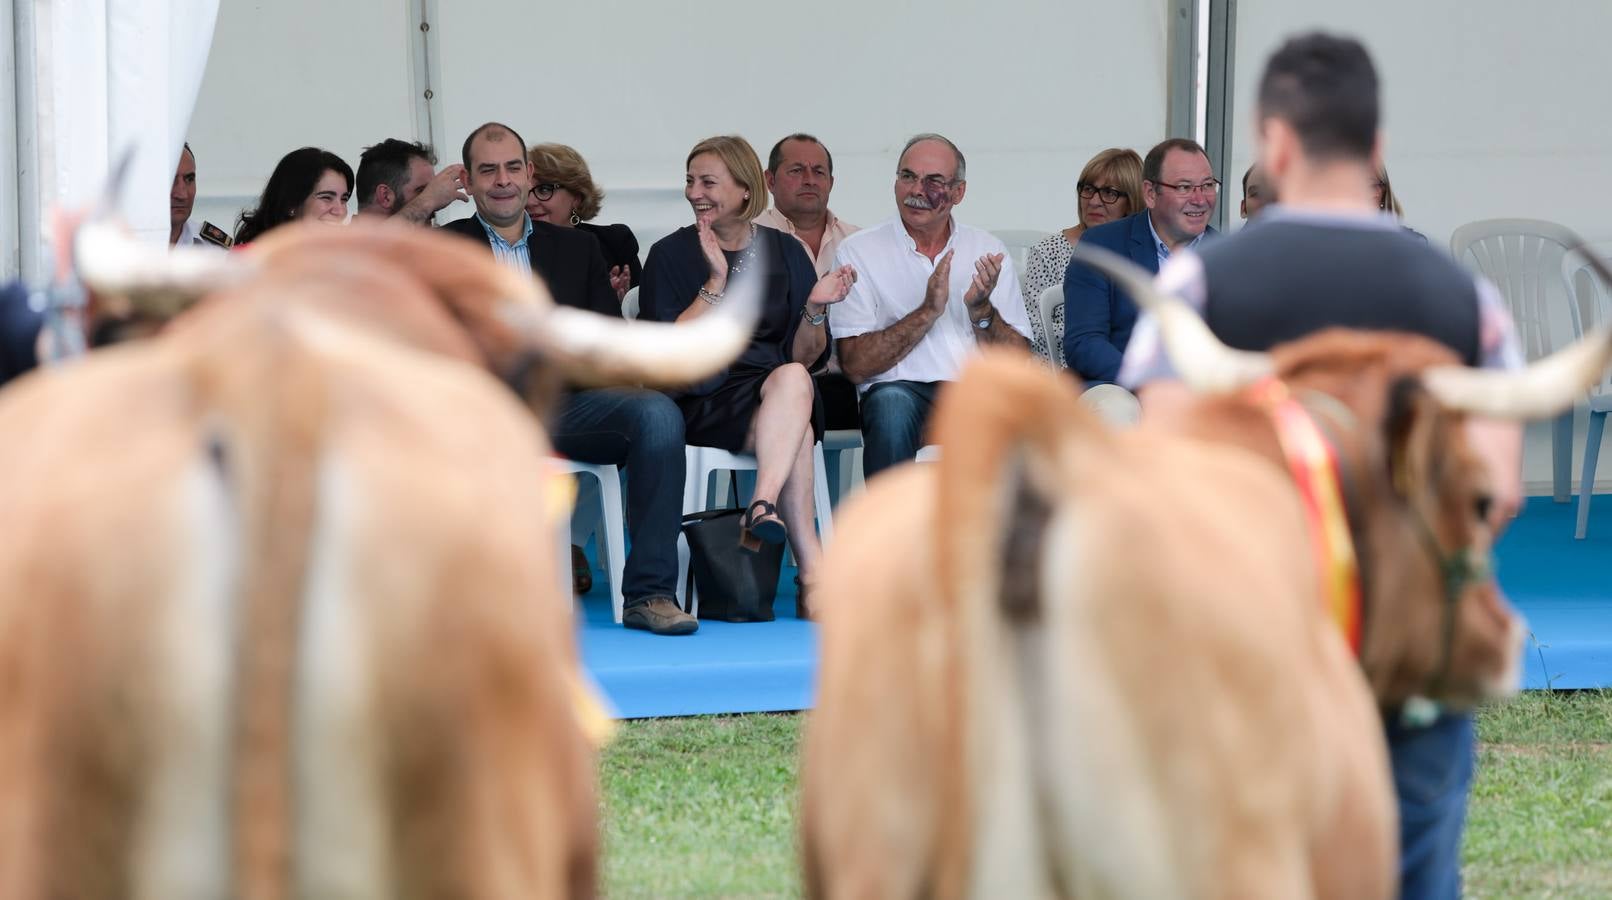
(734, 584)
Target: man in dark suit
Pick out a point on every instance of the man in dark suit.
(19, 331)
(1180, 191)
(639, 429)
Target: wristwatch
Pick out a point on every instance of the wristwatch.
(984, 323)
(812, 320)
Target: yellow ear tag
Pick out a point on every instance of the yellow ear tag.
(588, 702)
(561, 496)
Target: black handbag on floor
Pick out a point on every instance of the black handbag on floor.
(733, 584)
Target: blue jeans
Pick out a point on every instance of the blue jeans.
(1432, 776)
(642, 431)
(894, 414)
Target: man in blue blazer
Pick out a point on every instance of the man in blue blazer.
(1180, 191)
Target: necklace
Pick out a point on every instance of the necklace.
(743, 257)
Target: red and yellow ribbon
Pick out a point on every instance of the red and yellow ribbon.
(1314, 465)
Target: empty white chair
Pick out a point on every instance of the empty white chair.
(1052, 319)
(704, 462)
(842, 449)
(1523, 258)
(604, 520)
(1018, 241)
(1590, 306)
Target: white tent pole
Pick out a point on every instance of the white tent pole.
(29, 190)
(10, 259)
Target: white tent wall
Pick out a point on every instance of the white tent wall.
(90, 80)
(1492, 109)
(296, 73)
(1028, 89)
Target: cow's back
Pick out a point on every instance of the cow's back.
(1169, 717)
(414, 631)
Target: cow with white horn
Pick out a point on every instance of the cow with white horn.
(1130, 663)
(228, 549)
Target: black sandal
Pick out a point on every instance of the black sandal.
(761, 523)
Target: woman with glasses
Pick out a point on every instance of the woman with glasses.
(1383, 190)
(1109, 188)
(766, 402)
(308, 183)
(563, 193)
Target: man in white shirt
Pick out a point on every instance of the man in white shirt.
(181, 201)
(913, 318)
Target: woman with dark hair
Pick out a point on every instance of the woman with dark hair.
(308, 183)
(563, 193)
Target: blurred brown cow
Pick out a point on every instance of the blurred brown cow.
(282, 615)
(1103, 666)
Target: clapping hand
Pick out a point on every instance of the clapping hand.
(620, 281)
(833, 287)
(938, 291)
(713, 253)
(986, 270)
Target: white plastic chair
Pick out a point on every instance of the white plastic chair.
(1018, 241)
(704, 462)
(1522, 257)
(1590, 306)
(605, 521)
(1051, 304)
(629, 304)
(842, 449)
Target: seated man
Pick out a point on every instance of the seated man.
(1180, 191)
(395, 178)
(800, 176)
(639, 429)
(929, 291)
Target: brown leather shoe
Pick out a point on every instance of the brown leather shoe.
(581, 572)
(659, 615)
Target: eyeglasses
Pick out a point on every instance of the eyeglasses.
(1089, 190)
(544, 191)
(1207, 188)
(908, 178)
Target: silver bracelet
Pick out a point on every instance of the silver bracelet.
(709, 297)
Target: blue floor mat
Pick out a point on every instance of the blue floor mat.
(1563, 587)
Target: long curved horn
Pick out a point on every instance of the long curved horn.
(601, 350)
(144, 280)
(1205, 364)
(1546, 387)
(1543, 389)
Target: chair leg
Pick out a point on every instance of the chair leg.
(1561, 456)
(1586, 484)
(612, 545)
(820, 495)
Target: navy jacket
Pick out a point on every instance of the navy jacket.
(569, 261)
(19, 330)
(1098, 317)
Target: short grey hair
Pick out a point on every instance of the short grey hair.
(962, 164)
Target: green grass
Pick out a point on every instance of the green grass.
(1540, 823)
(702, 807)
(705, 807)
